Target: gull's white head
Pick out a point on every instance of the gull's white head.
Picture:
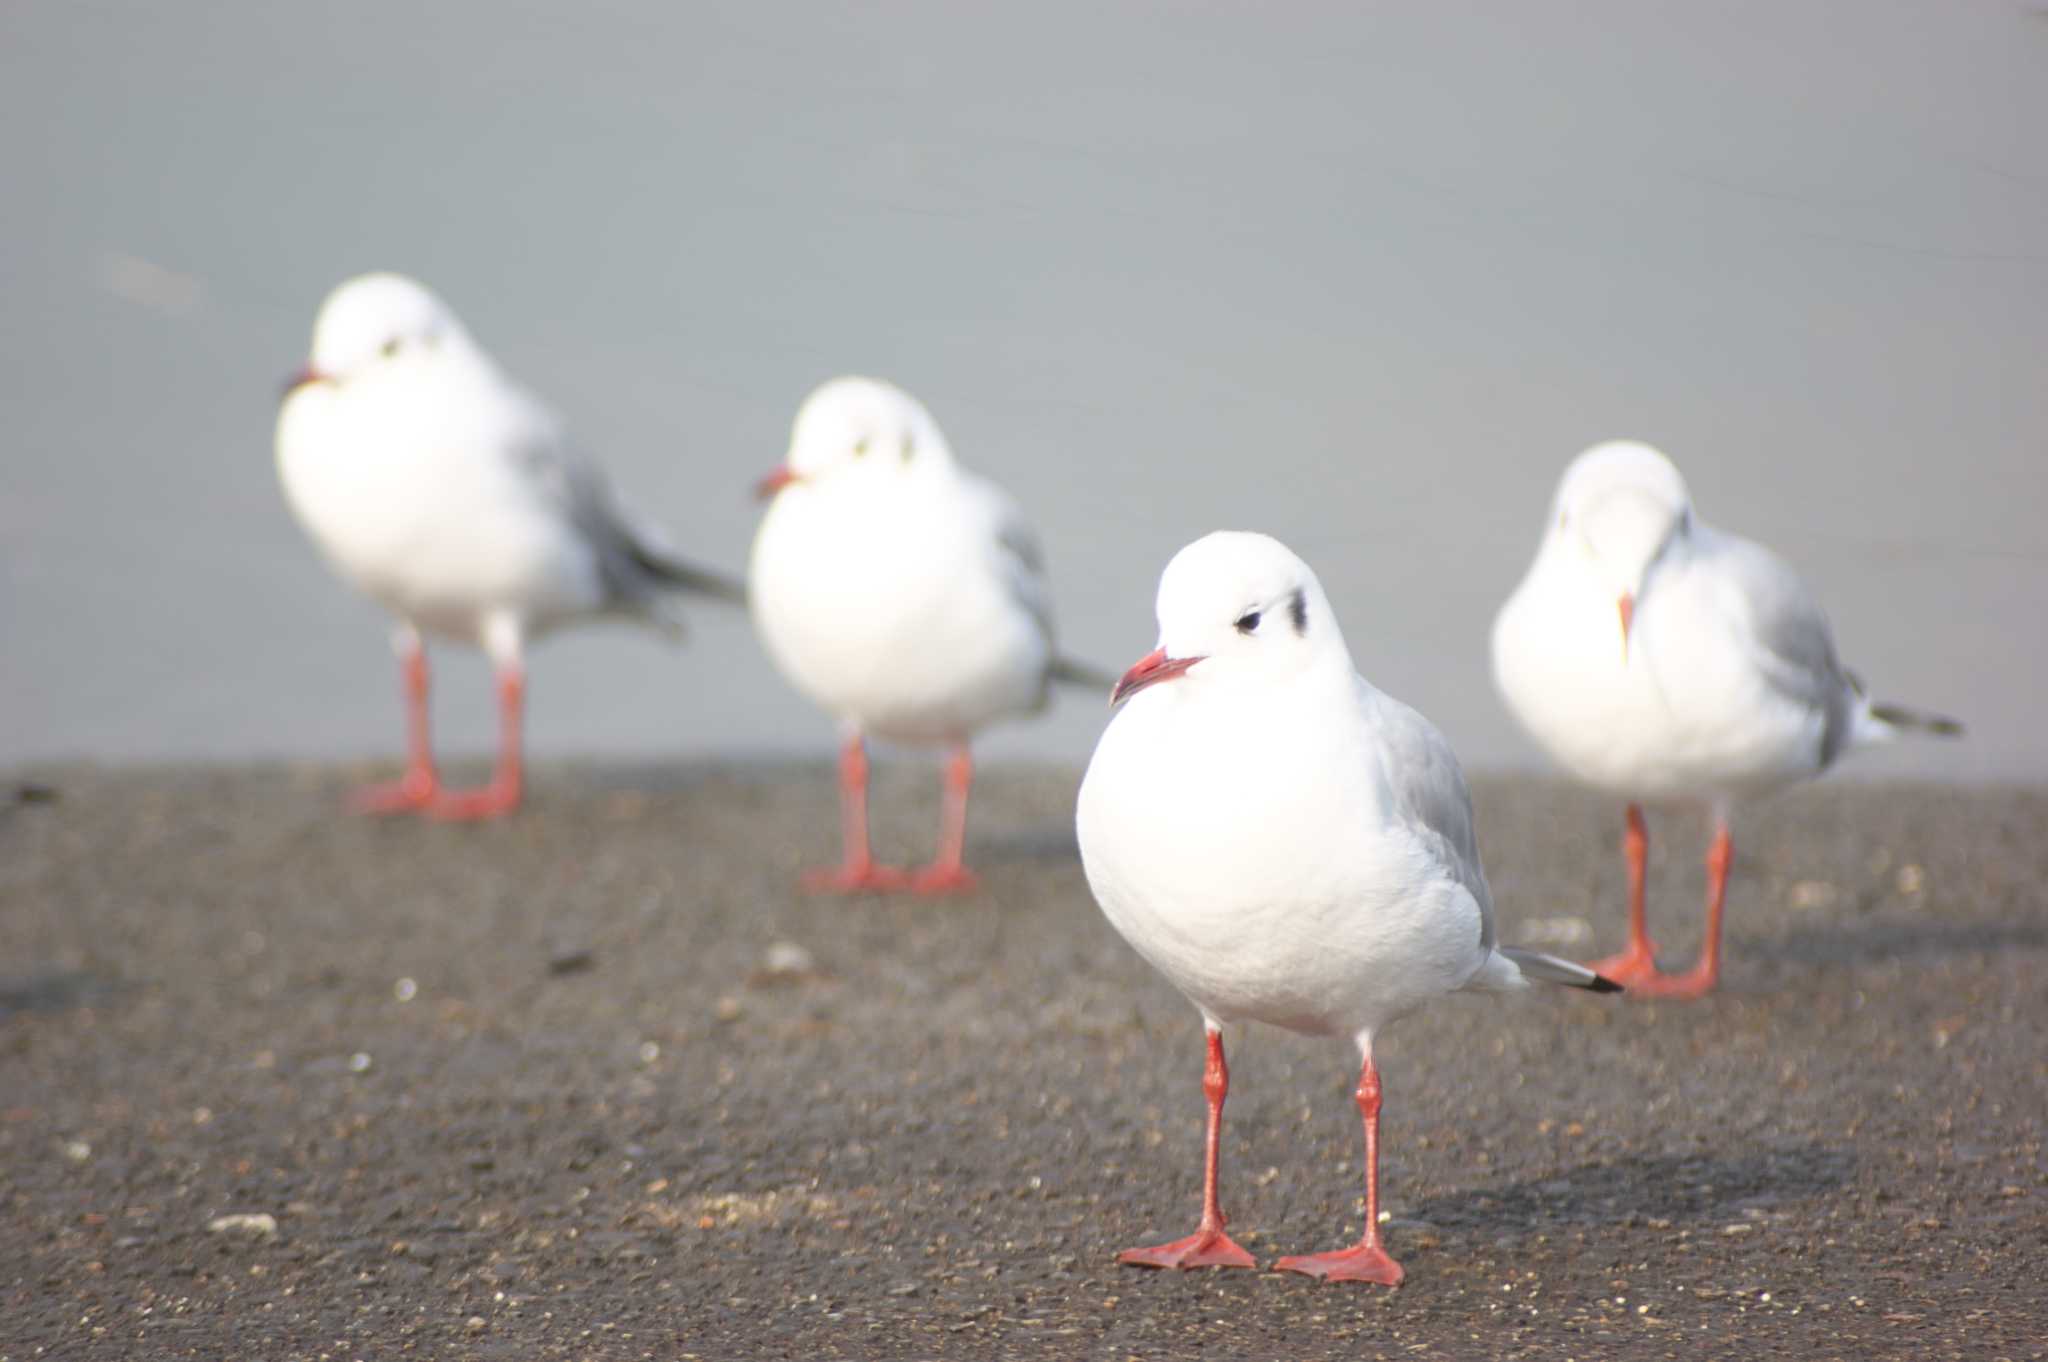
(374, 320)
(1238, 608)
(859, 429)
(1623, 506)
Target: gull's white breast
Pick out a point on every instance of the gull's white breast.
(414, 484)
(1254, 855)
(1691, 710)
(895, 606)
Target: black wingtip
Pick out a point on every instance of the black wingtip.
(1898, 716)
(1602, 984)
(681, 576)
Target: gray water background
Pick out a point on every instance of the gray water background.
(1362, 276)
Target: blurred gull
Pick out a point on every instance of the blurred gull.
(1286, 844)
(1661, 659)
(444, 491)
(904, 596)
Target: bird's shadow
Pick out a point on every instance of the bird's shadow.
(1032, 844)
(53, 991)
(687, 777)
(1877, 942)
(1668, 1187)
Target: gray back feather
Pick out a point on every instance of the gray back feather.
(634, 566)
(1429, 790)
(1795, 645)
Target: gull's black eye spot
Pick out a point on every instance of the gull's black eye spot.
(1297, 611)
(390, 347)
(1248, 622)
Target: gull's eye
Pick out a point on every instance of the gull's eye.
(1248, 622)
(908, 447)
(390, 347)
(860, 447)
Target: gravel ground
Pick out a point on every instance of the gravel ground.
(597, 1082)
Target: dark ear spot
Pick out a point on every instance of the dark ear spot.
(1297, 610)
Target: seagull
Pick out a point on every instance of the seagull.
(445, 492)
(904, 596)
(1658, 658)
(1287, 845)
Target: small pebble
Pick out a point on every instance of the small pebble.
(784, 962)
(1414, 1233)
(259, 1223)
(1556, 931)
(1813, 894)
(573, 961)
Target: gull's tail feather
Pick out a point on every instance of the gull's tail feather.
(1068, 672)
(1548, 969)
(1875, 721)
(670, 571)
(1916, 721)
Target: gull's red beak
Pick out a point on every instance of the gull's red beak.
(1627, 606)
(300, 378)
(782, 477)
(1150, 669)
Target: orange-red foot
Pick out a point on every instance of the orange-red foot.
(1203, 1248)
(1693, 983)
(944, 879)
(469, 806)
(1359, 1263)
(399, 796)
(863, 877)
(1632, 969)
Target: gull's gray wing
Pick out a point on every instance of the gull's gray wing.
(1429, 790)
(1787, 633)
(1020, 560)
(1020, 563)
(634, 562)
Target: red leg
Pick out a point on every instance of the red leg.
(502, 795)
(1699, 981)
(1208, 1246)
(418, 787)
(1367, 1260)
(1636, 965)
(858, 872)
(946, 874)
